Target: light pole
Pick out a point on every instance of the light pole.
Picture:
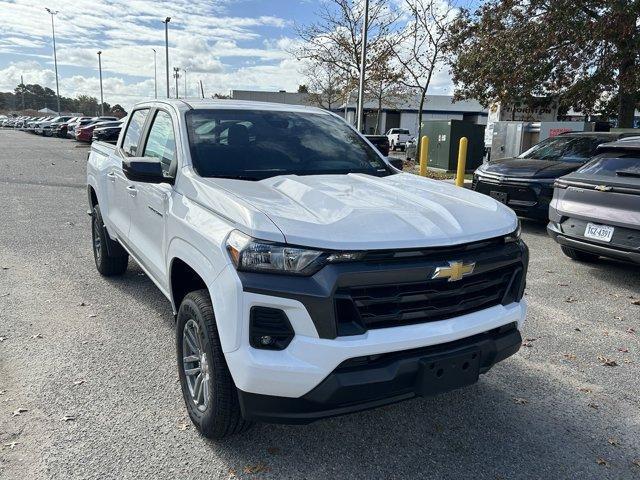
(155, 73)
(101, 96)
(55, 57)
(363, 60)
(176, 75)
(166, 48)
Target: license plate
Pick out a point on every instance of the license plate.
(502, 197)
(604, 233)
(439, 374)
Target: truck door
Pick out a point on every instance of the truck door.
(118, 191)
(150, 203)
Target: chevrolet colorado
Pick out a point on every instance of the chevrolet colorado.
(308, 276)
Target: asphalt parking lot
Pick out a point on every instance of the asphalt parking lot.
(89, 386)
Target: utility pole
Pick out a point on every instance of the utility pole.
(55, 56)
(363, 61)
(201, 89)
(166, 48)
(155, 73)
(101, 96)
(176, 75)
(22, 90)
(185, 82)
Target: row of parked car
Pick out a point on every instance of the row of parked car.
(83, 129)
(585, 184)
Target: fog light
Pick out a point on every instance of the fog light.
(269, 329)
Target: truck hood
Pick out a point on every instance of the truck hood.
(362, 212)
(529, 168)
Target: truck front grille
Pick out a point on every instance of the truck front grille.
(381, 306)
(516, 193)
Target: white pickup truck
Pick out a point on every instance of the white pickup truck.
(308, 276)
(398, 138)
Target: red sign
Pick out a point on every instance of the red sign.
(554, 132)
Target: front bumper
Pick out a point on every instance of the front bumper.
(527, 198)
(372, 381)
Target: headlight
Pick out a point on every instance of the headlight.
(249, 254)
(513, 236)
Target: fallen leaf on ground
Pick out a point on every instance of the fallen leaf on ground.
(11, 445)
(636, 302)
(69, 418)
(570, 299)
(6, 268)
(569, 356)
(617, 318)
(594, 406)
(631, 330)
(232, 472)
(78, 382)
(636, 462)
(613, 441)
(183, 426)
(93, 315)
(19, 411)
(607, 362)
(623, 349)
(253, 469)
(2, 392)
(602, 461)
(585, 390)
(577, 329)
(5, 295)
(37, 335)
(520, 401)
(82, 304)
(2, 339)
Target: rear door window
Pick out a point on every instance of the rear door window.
(134, 132)
(613, 165)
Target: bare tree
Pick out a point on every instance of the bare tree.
(384, 86)
(420, 48)
(325, 85)
(335, 39)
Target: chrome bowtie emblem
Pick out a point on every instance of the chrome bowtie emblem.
(603, 188)
(454, 271)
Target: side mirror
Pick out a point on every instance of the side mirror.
(395, 162)
(144, 169)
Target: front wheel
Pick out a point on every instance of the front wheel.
(207, 387)
(578, 255)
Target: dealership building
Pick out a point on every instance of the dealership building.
(402, 113)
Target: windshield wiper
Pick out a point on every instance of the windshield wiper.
(236, 177)
(628, 173)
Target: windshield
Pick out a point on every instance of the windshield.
(254, 144)
(612, 164)
(564, 149)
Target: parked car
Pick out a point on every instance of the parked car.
(61, 129)
(85, 133)
(595, 211)
(381, 142)
(398, 138)
(47, 128)
(33, 125)
(107, 132)
(81, 122)
(308, 276)
(525, 183)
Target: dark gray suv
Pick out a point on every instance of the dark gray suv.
(595, 210)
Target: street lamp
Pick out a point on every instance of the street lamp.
(166, 47)
(176, 75)
(155, 73)
(363, 60)
(101, 96)
(55, 57)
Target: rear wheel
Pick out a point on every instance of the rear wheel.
(579, 255)
(111, 259)
(207, 387)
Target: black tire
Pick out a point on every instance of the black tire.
(578, 255)
(220, 416)
(111, 259)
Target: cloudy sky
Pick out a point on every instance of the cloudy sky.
(228, 44)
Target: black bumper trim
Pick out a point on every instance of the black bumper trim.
(358, 384)
(589, 247)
